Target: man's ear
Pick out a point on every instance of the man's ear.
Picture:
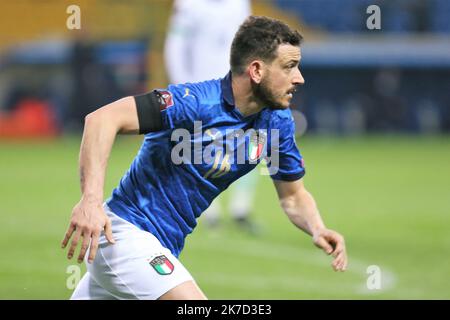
(256, 70)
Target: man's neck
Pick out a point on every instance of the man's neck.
(244, 100)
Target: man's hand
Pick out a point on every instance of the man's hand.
(332, 243)
(86, 224)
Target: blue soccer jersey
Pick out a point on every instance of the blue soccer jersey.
(204, 146)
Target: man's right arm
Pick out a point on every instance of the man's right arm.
(150, 112)
(88, 217)
(100, 130)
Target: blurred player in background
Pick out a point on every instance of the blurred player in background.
(197, 48)
(140, 231)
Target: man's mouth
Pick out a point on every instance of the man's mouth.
(291, 92)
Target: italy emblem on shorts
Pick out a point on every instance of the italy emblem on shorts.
(162, 265)
(256, 146)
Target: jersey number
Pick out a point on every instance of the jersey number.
(217, 171)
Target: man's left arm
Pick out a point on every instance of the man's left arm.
(301, 209)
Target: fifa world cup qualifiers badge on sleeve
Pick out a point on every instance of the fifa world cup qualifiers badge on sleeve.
(165, 99)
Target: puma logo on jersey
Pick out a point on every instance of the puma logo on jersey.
(213, 135)
(186, 93)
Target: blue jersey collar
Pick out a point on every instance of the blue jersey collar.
(227, 90)
(227, 94)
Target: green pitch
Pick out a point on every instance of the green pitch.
(388, 195)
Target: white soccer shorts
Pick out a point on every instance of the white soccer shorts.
(137, 266)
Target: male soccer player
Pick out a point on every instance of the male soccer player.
(157, 202)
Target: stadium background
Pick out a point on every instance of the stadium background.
(375, 141)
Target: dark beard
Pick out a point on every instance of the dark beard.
(263, 94)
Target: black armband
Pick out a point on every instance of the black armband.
(148, 110)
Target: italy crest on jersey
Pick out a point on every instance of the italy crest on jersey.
(256, 146)
(162, 265)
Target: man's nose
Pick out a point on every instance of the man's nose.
(298, 78)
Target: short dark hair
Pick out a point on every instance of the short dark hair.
(259, 38)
